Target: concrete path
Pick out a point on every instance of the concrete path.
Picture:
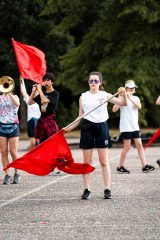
(51, 208)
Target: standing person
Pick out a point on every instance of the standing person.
(129, 128)
(48, 103)
(33, 114)
(158, 103)
(94, 129)
(9, 131)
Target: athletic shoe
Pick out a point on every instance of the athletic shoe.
(86, 194)
(107, 194)
(122, 170)
(16, 178)
(148, 168)
(158, 162)
(7, 180)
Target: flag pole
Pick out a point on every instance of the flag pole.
(78, 119)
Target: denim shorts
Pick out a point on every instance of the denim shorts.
(130, 135)
(31, 124)
(10, 134)
(97, 136)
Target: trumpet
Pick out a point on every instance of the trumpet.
(6, 84)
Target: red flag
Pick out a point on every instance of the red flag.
(153, 138)
(54, 152)
(31, 61)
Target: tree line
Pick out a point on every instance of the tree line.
(119, 38)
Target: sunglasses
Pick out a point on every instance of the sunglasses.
(93, 81)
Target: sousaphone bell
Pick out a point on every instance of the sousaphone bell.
(6, 84)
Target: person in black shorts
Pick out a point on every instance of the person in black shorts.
(94, 129)
(129, 128)
(33, 114)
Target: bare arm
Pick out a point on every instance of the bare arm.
(33, 94)
(23, 88)
(158, 101)
(122, 101)
(136, 102)
(15, 99)
(115, 108)
(42, 96)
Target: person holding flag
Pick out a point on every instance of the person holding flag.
(54, 151)
(94, 129)
(129, 128)
(33, 114)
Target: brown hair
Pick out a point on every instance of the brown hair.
(100, 78)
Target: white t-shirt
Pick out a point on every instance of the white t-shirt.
(33, 110)
(91, 101)
(129, 117)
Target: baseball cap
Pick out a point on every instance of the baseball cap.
(130, 84)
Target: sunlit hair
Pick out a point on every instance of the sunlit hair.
(100, 78)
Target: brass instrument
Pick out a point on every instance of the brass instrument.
(6, 84)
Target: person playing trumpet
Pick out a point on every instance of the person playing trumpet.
(9, 126)
(129, 128)
(48, 102)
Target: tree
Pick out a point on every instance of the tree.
(120, 38)
(123, 42)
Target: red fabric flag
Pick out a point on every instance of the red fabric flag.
(54, 152)
(153, 138)
(31, 61)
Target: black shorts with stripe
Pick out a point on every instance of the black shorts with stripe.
(96, 136)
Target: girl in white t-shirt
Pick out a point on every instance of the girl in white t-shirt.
(129, 128)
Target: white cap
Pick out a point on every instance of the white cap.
(131, 84)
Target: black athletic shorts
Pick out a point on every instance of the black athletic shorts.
(31, 124)
(96, 136)
(131, 135)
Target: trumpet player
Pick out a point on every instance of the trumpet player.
(48, 102)
(9, 127)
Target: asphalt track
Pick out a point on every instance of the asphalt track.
(51, 208)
